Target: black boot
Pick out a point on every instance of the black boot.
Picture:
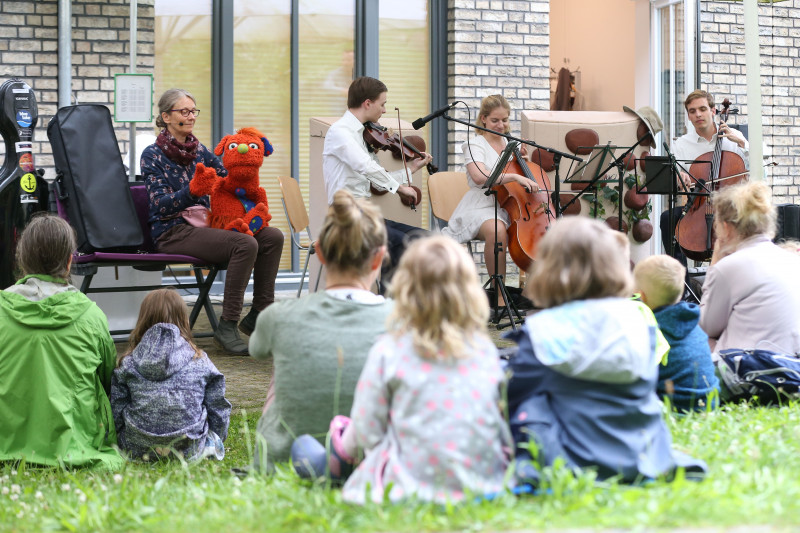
(227, 338)
(248, 323)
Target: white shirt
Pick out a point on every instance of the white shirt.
(347, 164)
(691, 146)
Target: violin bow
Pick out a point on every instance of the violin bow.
(403, 155)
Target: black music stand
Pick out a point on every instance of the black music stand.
(499, 285)
(589, 171)
(662, 177)
(616, 162)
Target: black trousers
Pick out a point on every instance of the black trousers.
(399, 236)
(668, 232)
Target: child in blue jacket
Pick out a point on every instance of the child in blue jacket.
(686, 376)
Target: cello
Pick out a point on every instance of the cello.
(530, 213)
(695, 229)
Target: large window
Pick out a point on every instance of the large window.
(265, 63)
(183, 55)
(263, 94)
(674, 61)
(405, 69)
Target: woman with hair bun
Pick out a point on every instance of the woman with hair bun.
(751, 297)
(319, 343)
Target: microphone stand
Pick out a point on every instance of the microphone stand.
(557, 156)
(513, 143)
(496, 279)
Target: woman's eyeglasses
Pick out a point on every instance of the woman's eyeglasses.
(186, 112)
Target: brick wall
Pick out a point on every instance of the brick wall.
(100, 49)
(723, 73)
(497, 46)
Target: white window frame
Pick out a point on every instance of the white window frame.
(690, 57)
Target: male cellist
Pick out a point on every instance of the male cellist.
(700, 110)
(347, 164)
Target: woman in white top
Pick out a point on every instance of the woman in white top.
(474, 217)
(751, 296)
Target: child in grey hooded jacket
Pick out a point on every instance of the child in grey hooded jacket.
(166, 395)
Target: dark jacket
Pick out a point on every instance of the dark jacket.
(688, 378)
(167, 184)
(583, 387)
(163, 397)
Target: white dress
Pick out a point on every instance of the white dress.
(475, 207)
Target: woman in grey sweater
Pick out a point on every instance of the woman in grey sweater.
(319, 343)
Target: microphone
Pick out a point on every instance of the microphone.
(180, 123)
(417, 124)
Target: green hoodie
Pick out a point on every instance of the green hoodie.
(56, 360)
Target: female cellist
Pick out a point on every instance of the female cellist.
(474, 217)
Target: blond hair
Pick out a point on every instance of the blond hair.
(168, 101)
(660, 279)
(790, 245)
(161, 306)
(578, 259)
(489, 104)
(438, 299)
(352, 233)
(747, 207)
(46, 246)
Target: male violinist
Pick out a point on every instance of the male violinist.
(348, 164)
(700, 110)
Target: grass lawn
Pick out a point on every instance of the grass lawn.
(753, 455)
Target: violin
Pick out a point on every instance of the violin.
(695, 229)
(530, 213)
(378, 137)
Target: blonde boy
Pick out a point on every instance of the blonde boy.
(687, 375)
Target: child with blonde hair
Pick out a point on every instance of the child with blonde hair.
(584, 379)
(686, 376)
(166, 395)
(426, 412)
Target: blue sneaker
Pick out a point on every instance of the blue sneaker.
(309, 458)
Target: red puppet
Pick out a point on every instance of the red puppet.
(238, 202)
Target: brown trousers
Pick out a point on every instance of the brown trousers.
(259, 254)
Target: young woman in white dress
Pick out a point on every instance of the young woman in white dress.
(474, 217)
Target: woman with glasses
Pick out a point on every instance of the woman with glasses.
(168, 166)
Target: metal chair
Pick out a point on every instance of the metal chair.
(297, 214)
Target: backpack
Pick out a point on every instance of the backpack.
(770, 377)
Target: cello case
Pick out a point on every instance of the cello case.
(91, 181)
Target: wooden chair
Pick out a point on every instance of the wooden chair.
(445, 190)
(297, 214)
